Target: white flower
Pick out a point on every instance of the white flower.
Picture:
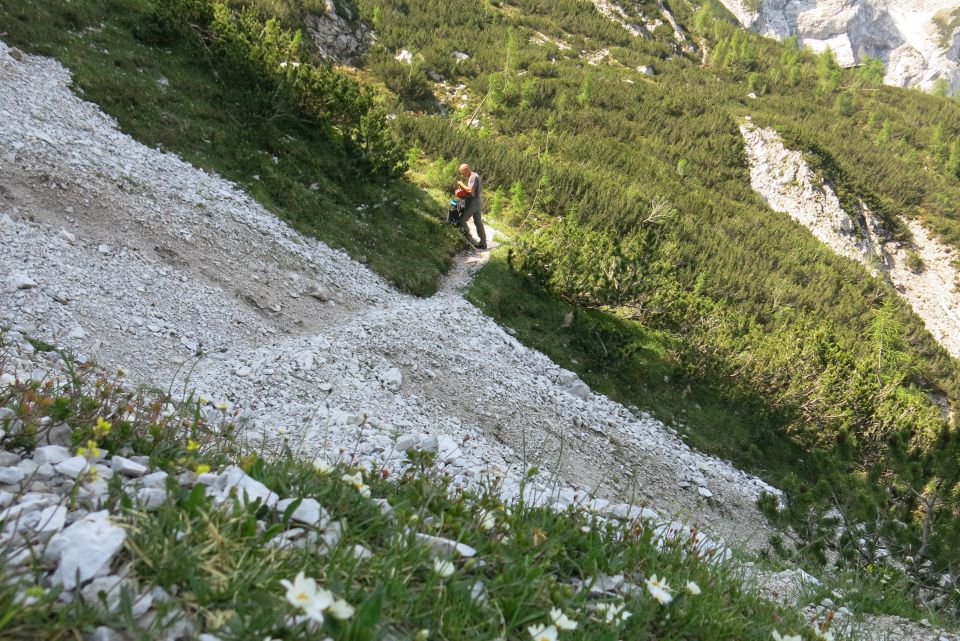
(789, 637)
(321, 467)
(304, 594)
(824, 635)
(693, 588)
(356, 480)
(422, 635)
(442, 567)
(543, 632)
(340, 609)
(659, 590)
(585, 529)
(488, 521)
(561, 621)
(613, 612)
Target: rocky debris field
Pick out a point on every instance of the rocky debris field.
(129, 256)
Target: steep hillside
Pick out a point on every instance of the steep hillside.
(640, 255)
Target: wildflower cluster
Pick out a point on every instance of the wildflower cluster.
(549, 632)
(305, 594)
(356, 480)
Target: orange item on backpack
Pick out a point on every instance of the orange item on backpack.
(461, 193)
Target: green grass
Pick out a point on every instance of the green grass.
(636, 366)
(225, 576)
(171, 98)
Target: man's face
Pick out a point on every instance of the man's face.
(464, 171)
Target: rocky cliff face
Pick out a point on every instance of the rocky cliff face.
(917, 40)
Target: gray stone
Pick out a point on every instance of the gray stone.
(392, 379)
(156, 479)
(73, 467)
(429, 443)
(406, 442)
(103, 633)
(150, 498)
(52, 454)
(51, 520)
(85, 549)
(11, 475)
(235, 482)
(126, 467)
(8, 459)
(27, 466)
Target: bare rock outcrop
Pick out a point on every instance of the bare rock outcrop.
(907, 35)
(342, 38)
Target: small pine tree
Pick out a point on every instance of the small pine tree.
(883, 137)
(953, 162)
(518, 199)
(939, 147)
(586, 89)
(497, 203)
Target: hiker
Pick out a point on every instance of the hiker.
(472, 198)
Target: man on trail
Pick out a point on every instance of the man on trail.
(473, 189)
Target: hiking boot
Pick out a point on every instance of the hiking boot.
(480, 245)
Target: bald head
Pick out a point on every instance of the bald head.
(465, 170)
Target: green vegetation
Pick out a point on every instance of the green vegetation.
(169, 92)
(225, 575)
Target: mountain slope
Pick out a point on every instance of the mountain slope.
(432, 366)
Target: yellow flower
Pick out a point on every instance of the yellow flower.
(102, 428)
(192, 445)
(202, 468)
(90, 451)
(92, 473)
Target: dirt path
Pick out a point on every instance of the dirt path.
(467, 264)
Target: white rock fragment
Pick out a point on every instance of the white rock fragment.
(85, 549)
(19, 280)
(309, 511)
(126, 467)
(72, 467)
(51, 520)
(392, 379)
(440, 546)
(234, 482)
(11, 475)
(51, 454)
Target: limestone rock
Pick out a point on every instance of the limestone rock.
(85, 549)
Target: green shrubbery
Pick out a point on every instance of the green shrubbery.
(256, 49)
